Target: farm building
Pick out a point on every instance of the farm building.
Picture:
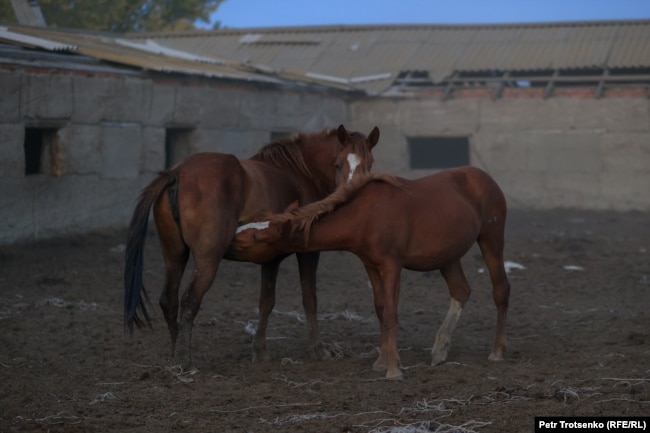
(558, 113)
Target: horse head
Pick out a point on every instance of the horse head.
(261, 241)
(355, 154)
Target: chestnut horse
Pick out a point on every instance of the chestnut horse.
(392, 223)
(198, 204)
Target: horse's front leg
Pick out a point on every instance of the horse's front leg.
(385, 286)
(381, 364)
(269, 276)
(307, 266)
(391, 283)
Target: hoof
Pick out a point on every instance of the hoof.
(259, 352)
(439, 357)
(395, 375)
(260, 356)
(189, 370)
(494, 357)
(319, 353)
(380, 367)
(172, 362)
(186, 367)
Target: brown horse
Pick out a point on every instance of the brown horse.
(198, 204)
(392, 223)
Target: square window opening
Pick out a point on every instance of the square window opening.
(438, 152)
(42, 152)
(179, 144)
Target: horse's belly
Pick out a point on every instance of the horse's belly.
(425, 264)
(428, 257)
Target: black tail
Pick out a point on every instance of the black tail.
(135, 295)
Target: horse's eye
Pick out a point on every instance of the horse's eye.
(337, 165)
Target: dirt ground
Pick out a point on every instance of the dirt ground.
(578, 327)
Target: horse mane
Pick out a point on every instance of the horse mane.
(304, 218)
(287, 153)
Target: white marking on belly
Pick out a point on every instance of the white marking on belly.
(258, 225)
(353, 162)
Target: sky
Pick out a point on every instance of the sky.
(274, 13)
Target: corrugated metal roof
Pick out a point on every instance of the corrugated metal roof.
(631, 47)
(33, 42)
(346, 52)
(367, 58)
(151, 55)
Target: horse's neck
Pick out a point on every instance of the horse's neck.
(318, 163)
(331, 232)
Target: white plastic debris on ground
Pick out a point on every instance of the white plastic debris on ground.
(574, 268)
(509, 265)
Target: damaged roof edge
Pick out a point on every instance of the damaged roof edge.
(155, 48)
(153, 56)
(34, 42)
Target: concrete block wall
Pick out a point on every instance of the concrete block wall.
(111, 135)
(566, 151)
(571, 150)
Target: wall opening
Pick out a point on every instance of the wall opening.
(179, 144)
(42, 151)
(438, 152)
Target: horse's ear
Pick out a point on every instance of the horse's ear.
(343, 134)
(373, 137)
(293, 206)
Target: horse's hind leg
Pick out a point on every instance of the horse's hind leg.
(491, 243)
(174, 268)
(307, 265)
(175, 254)
(205, 270)
(459, 290)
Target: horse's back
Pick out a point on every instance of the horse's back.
(449, 211)
(205, 180)
(471, 184)
(462, 198)
(205, 201)
(483, 193)
(216, 191)
(206, 162)
(486, 192)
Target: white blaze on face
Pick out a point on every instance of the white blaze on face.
(258, 225)
(353, 163)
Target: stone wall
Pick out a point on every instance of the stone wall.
(110, 139)
(571, 150)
